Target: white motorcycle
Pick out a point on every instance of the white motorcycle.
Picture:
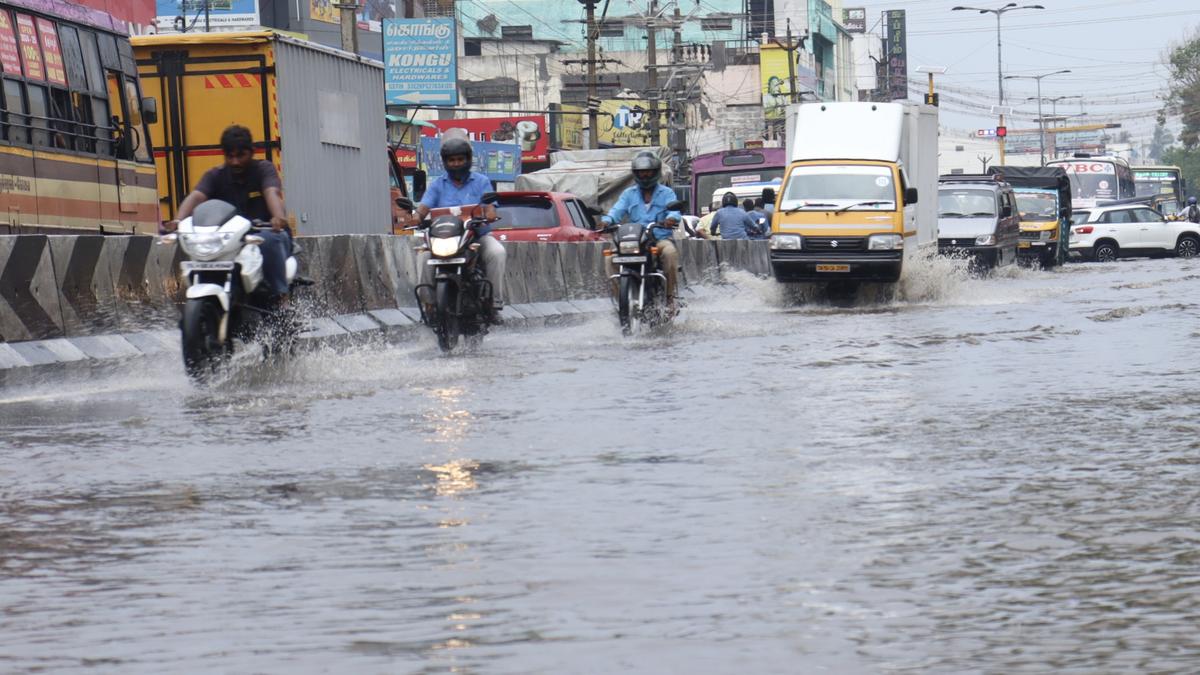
(226, 296)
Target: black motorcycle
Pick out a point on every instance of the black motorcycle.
(461, 294)
(641, 283)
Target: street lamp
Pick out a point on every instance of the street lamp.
(1041, 120)
(999, 12)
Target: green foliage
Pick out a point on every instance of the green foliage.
(1161, 140)
(1183, 62)
(1188, 160)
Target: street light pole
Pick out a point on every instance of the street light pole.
(1041, 118)
(999, 11)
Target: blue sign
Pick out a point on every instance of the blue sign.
(420, 59)
(500, 162)
(189, 15)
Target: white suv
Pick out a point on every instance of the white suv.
(1105, 233)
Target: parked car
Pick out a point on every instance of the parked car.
(537, 216)
(977, 217)
(1105, 233)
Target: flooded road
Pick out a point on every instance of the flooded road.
(976, 476)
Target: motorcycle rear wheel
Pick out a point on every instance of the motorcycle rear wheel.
(202, 348)
(447, 316)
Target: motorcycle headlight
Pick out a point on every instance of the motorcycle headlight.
(985, 240)
(632, 246)
(444, 247)
(204, 245)
(785, 242)
(885, 242)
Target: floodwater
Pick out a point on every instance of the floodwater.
(973, 476)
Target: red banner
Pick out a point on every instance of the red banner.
(31, 52)
(10, 56)
(51, 53)
(528, 131)
(137, 15)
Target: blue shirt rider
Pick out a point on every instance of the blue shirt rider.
(731, 221)
(642, 203)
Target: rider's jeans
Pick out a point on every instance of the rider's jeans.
(668, 262)
(494, 258)
(276, 249)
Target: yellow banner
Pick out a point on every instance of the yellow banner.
(773, 67)
(570, 126)
(323, 10)
(626, 123)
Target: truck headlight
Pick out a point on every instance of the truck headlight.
(631, 246)
(443, 247)
(985, 240)
(885, 242)
(785, 242)
(204, 245)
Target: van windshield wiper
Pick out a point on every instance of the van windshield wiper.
(872, 203)
(806, 205)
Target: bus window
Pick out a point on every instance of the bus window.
(62, 120)
(39, 111)
(91, 62)
(68, 38)
(82, 107)
(135, 127)
(103, 127)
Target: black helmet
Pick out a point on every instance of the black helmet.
(1191, 200)
(455, 147)
(729, 199)
(646, 161)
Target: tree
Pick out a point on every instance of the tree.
(1183, 63)
(1188, 161)
(1160, 141)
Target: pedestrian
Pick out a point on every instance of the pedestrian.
(1191, 212)
(762, 225)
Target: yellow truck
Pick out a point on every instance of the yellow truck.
(317, 113)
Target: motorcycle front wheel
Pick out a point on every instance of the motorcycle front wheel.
(625, 291)
(447, 316)
(202, 347)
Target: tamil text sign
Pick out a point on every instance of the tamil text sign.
(854, 19)
(420, 61)
(897, 54)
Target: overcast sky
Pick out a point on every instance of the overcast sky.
(1114, 48)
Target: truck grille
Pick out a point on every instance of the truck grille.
(835, 244)
(958, 242)
(1031, 235)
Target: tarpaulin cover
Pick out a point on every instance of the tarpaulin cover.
(1045, 177)
(598, 177)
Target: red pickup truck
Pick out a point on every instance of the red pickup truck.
(538, 216)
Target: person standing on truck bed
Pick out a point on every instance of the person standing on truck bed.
(253, 187)
(460, 186)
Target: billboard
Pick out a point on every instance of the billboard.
(776, 89)
(500, 162)
(854, 19)
(420, 59)
(370, 16)
(896, 84)
(137, 16)
(626, 123)
(178, 16)
(10, 53)
(567, 129)
(529, 131)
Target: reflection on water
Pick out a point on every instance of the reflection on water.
(960, 475)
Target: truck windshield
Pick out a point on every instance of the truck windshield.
(966, 203)
(862, 188)
(1037, 205)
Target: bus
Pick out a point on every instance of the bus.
(1097, 180)
(1165, 183)
(715, 172)
(75, 152)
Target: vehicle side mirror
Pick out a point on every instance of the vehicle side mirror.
(489, 198)
(1006, 212)
(910, 195)
(405, 203)
(150, 109)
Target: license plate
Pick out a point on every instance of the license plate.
(189, 266)
(833, 268)
(1023, 244)
(628, 259)
(447, 261)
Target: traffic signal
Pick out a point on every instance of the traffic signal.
(931, 99)
(1001, 132)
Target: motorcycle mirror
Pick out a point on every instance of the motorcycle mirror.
(489, 198)
(677, 205)
(405, 203)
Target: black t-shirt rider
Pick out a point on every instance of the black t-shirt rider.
(244, 189)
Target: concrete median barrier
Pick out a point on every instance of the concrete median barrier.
(30, 307)
(514, 276)
(699, 260)
(376, 271)
(583, 270)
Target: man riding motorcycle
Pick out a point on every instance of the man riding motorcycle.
(731, 221)
(1191, 212)
(253, 187)
(458, 186)
(641, 203)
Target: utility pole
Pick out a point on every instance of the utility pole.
(791, 47)
(347, 12)
(652, 66)
(593, 113)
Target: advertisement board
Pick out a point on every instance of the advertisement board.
(175, 16)
(10, 54)
(626, 123)
(137, 16)
(500, 162)
(56, 72)
(568, 128)
(370, 16)
(897, 54)
(31, 52)
(854, 19)
(1022, 143)
(528, 131)
(420, 61)
(776, 89)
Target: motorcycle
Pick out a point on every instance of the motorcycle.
(226, 296)
(462, 296)
(641, 284)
